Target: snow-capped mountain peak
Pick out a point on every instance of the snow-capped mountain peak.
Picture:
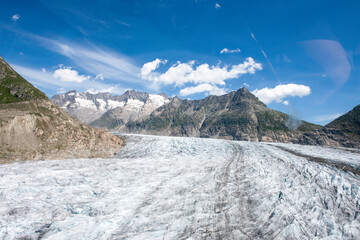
(88, 107)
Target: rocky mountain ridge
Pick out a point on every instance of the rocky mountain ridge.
(238, 115)
(235, 116)
(32, 127)
(88, 107)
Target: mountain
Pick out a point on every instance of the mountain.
(87, 107)
(349, 123)
(237, 116)
(13, 88)
(32, 127)
(343, 132)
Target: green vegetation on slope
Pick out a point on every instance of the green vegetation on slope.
(14, 88)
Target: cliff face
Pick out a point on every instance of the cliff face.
(32, 127)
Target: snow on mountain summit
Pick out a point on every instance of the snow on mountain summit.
(88, 107)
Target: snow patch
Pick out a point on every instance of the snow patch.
(134, 104)
(102, 104)
(114, 104)
(80, 102)
(158, 100)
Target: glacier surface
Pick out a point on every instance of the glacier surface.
(186, 188)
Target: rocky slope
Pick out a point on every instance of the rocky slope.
(349, 123)
(343, 132)
(237, 116)
(131, 105)
(32, 127)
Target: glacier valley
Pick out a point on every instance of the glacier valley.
(186, 188)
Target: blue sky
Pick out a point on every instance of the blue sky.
(299, 57)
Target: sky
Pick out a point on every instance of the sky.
(298, 57)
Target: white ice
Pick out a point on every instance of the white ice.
(85, 103)
(158, 100)
(182, 188)
(114, 104)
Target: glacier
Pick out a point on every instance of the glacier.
(186, 188)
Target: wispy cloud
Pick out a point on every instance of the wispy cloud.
(285, 58)
(96, 60)
(46, 80)
(327, 117)
(217, 6)
(91, 58)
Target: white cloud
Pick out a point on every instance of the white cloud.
(113, 65)
(226, 50)
(213, 90)
(286, 102)
(147, 68)
(94, 60)
(217, 6)
(15, 17)
(327, 117)
(43, 70)
(69, 75)
(277, 94)
(181, 73)
(99, 77)
(246, 85)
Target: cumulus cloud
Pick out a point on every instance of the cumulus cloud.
(181, 73)
(15, 17)
(69, 75)
(286, 102)
(213, 90)
(277, 94)
(226, 50)
(205, 77)
(217, 6)
(147, 68)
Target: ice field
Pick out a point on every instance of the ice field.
(186, 188)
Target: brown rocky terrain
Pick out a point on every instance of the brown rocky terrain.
(32, 127)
